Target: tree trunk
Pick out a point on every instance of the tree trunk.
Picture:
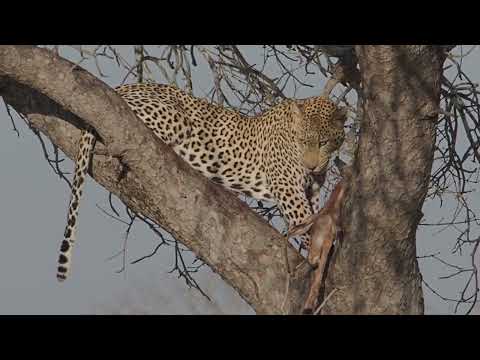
(376, 270)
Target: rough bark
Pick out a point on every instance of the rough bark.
(376, 269)
(214, 223)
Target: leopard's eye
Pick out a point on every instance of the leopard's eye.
(323, 143)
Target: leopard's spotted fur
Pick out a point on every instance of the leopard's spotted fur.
(267, 157)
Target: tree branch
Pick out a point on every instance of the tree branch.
(53, 94)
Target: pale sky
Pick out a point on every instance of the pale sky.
(33, 205)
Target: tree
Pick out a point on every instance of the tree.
(396, 133)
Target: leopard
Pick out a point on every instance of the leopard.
(270, 156)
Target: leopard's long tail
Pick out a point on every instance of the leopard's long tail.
(85, 150)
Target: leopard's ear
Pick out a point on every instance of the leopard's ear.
(297, 111)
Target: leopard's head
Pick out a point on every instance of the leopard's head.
(320, 131)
